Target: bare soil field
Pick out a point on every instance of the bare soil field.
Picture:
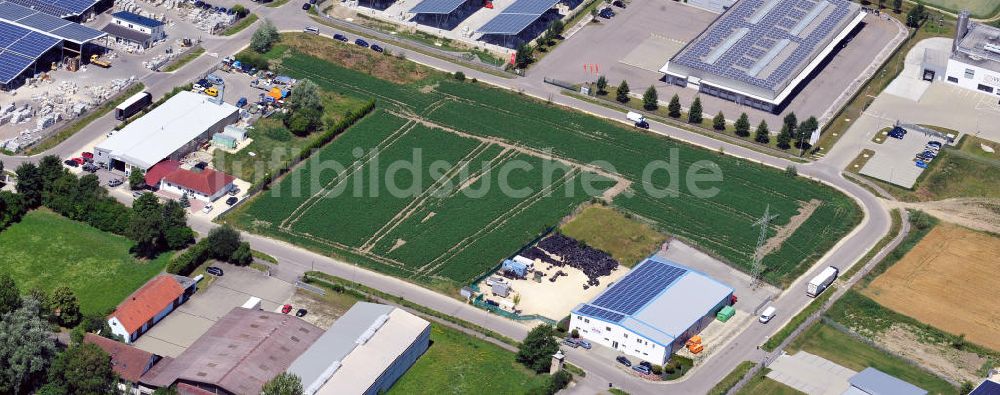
(948, 281)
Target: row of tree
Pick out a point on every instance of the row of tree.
(223, 243)
(792, 132)
(153, 226)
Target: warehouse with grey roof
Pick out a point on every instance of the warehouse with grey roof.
(759, 51)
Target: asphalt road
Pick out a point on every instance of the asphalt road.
(295, 260)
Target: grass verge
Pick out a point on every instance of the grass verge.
(728, 382)
(240, 25)
(897, 224)
(188, 57)
(81, 123)
(763, 385)
(47, 250)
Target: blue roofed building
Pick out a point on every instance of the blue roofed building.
(987, 387)
(133, 29)
(872, 381)
(652, 311)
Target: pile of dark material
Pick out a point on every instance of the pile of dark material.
(535, 253)
(593, 262)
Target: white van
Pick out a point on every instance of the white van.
(635, 117)
(311, 29)
(767, 314)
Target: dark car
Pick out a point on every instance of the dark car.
(301, 312)
(90, 168)
(204, 83)
(377, 48)
(571, 342)
(643, 369)
(642, 125)
(624, 361)
(340, 37)
(646, 364)
(934, 143)
(583, 343)
(215, 271)
(619, 4)
(361, 43)
(607, 13)
(71, 163)
(232, 200)
(306, 6)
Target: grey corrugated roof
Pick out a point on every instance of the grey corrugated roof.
(876, 382)
(126, 33)
(337, 342)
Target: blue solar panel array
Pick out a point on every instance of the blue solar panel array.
(58, 8)
(777, 24)
(41, 21)
(437, 6)
(517, 17)
(12, 65)
(603, 314)
(137, 19)
(19, 47)
(639, 287)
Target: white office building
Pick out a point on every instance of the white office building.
(975, 58)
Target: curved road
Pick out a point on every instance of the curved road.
(296, 260)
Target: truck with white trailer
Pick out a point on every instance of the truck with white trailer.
(821, 281)
(133, 105)
(640, 121)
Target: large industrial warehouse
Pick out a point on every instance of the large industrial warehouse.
(170, 131)
(759, 51)
(652, 311)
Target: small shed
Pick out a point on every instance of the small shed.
(518, 268)
(501, 289)
(223, 140)
(236, 132)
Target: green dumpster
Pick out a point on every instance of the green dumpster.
(725, 314)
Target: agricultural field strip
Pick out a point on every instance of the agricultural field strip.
(499, 221)
(424, 195)
(331, 186)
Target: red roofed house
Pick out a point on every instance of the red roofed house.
(147, 306)
(160, 170)
(206, 185)
(128, 362)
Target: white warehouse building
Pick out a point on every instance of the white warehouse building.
(652, 311)
(974, 63)
(170, 131)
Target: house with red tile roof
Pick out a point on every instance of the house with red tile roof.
(205, 184)
(128, 362)
(156, 173)
(148, 305)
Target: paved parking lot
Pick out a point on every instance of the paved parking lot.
(749, 299)
(180, 329)
(634, 44)
(893, 160)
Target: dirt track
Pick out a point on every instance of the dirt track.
(976, 213)
(949, 281)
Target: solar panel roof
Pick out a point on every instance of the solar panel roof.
(533, 7)
(137, 19)
(59, 8)
(639, 287)
(33, 45)
(508, 24)
(47, 24)
(12, 65)
(741, 44)
(437, 6)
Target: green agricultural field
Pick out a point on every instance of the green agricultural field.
(47, 250)
(482, 368)
(456, 238)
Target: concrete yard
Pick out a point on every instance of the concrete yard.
(634, 44)
(554, 300)
(181, 328)
(810, 374)
(893, 160)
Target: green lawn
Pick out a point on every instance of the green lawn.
(186, 58)
(459, 364)
(240, 25)
(827, 342)
(762, 385)
(47, 250)
(627, 240)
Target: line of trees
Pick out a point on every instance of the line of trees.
(154, 227)
(223, 243)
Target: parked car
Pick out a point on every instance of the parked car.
(607, 13)
(306, 6)
(301, 312)
(340, 37)
(311, 29)
(767, 314)
(215, 80)
(583, 343)
(70, 163)
(198, 88)
(208, 208)
(79, 161)
(619, 4)
(232, 200)
(286, 309)
(646, 364)
(90, 168)
(935, 144)
(212, 92)
(114, 182)
(136, 194)
(570, 342)
(242, 102)
(361, 43)
(921, 164)
(897, 133)
(624, 361)
(215, 271)
(643, 369)
(87, 155)
(205, 83)
(642, 125)
(377, 48)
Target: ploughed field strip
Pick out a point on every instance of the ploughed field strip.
(438, 231)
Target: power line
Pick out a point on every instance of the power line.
(758, 257)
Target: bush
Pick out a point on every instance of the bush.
(575, 334)
(459, 76)
(563, 325)
(253, 59)
(657, 370)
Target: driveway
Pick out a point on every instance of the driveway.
(810, 374)
(175, 333)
